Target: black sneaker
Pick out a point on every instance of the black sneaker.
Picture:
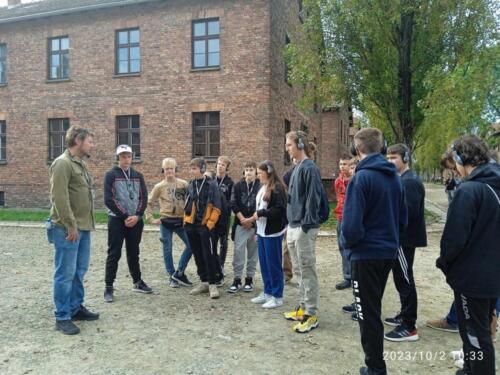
(67, 327)
(349, 309)
(220, 282)
(84, 314)
(394, 322)
(248, 287)
(400, 333)
(354, 316)
(108, 294)
(343, 285)
(182, 279)
(141, 287)
(235, 287)
(173, 283)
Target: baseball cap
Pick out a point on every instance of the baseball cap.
(123, 148)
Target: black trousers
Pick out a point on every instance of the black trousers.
(402, 273)
(203, 243)
(474, 323)
(369, 278)
(223, 242)
(117, 233)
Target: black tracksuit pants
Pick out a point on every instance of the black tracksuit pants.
(224, 242)
(203, 243)
(405, 284)
(474, 323)
(369, 278)
(117, 233)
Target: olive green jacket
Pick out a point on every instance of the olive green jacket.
(71, 193)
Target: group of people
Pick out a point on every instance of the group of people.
(269, 211)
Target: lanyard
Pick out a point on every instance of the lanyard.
(221, 181)
(198, 190)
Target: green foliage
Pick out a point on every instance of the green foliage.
(351, 50)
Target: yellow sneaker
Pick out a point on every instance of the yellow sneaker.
(308, 323)
(295, 315)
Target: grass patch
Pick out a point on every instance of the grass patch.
(7, 214)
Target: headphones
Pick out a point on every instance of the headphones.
(352, 150)
(383, 150)
(269, 166)
(456, 156)
(406, 157)
(203, 166)
(300, 143)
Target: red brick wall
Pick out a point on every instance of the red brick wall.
(164, 95)
(249, 90)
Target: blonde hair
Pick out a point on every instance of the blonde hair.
(169, 163)
(225, 160)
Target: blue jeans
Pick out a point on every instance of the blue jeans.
(270, 259)
(71, 262)
(166, 239)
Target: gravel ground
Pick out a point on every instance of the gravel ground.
(171, 332)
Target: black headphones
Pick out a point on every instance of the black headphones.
(300, 143)
(456, 156)
(406, 157)
(203, 166)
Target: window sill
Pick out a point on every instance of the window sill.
(123, 75)
(3, 84)
(210, 69)
(58, 80)
(3, 162)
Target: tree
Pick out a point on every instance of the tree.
(382, 55)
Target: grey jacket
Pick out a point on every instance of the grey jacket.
(304, 196)
(125, 196)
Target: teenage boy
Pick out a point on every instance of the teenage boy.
(373, 243)
(171, 194)
(340, 186)
(303, 227)
(126, 197)
(225, 184)
(242, 203)
(469, 251)
(413, 236)
(72, 220)
(201, 214)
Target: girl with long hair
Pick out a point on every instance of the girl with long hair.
(270, 217)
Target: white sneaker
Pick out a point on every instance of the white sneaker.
(273, 302)
(457, 354)
(459, 363)
(261, 298)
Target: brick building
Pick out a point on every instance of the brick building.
(173, 78)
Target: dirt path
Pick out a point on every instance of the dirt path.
(171, 332)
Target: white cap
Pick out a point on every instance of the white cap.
(123, 148)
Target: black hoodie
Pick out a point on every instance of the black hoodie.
(470, 248)
(374, 212)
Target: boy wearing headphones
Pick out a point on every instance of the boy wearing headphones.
(373, 243)
(225, 184)
(201, 214)
(470, 255)
(243, 204)
(171, 194)
(303, 227)
(412, 237)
